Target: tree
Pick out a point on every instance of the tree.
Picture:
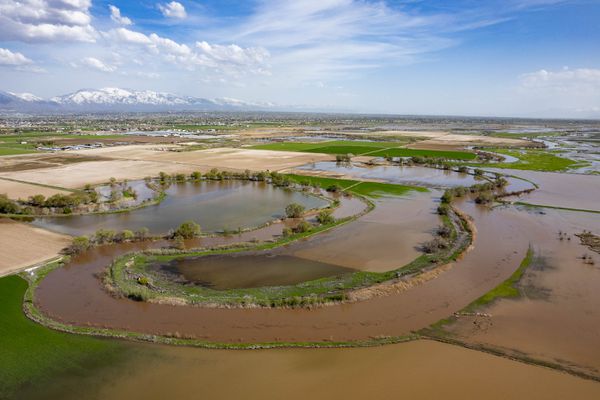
(196, 175)
(79, 244)
(447, 197)
(37, 200)
(126, 236)
(334, 188)
(325, 217)
(104, 236)
(187, 230)
(294, 210)
(142, 234)
(8, 206)
(302, 227)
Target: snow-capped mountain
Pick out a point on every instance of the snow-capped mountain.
(27, 96)
(121, 100)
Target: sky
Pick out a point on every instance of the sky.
(526, 58)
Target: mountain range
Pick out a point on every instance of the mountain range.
(121, 100)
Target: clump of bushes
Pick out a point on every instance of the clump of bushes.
(325, 217)
(187, 230)
(294, 210)
(434, 245)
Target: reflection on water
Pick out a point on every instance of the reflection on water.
(390, 372)
(414, 175)
(214, 205)
(247, 270)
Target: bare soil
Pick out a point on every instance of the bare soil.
(22, 245)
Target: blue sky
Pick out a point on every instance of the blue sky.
(535, 58)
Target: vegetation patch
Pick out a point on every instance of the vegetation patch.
(362, 188)
(376, 149)
(32, 354)
(534, 160)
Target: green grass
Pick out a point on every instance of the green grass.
(506, 289)
(31, 354)
(534, 160)
(376, 149)
(451, 155)
(11, 151)
(369, 189)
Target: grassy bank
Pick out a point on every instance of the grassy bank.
(369, 189)
(375, 149)
(507, 289)
(32, 354)
(130, 276)
(533, 160)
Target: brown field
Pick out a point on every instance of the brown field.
(95, 172)
(447, 141)
(19, 190)
(23, 245)
(34, 161)
(222, 158)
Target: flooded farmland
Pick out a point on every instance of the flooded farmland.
(395, 371)
(216, 205)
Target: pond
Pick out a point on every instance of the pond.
(215, 205)
(246, 270)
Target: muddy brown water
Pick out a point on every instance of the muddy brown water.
(73, 295)
(416, 370)
(214, 205)
(558, 318)
(246, 270)
(561, 190)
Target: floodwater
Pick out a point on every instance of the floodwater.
(247, 270)
(74, 295)
(561, 190)
(415, 370)
(214, 205)
(414, 175)
(558, 319)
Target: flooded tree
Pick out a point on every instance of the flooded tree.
(294, 210)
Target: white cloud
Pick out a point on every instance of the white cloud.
(115, 15)
(46, 20)
(8, 57)
(94, 63)
(173, 10)
(226, 59)
(565, 80)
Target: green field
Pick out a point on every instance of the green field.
(534, 160)
(32, 354)
(370, 189)
(376, 149)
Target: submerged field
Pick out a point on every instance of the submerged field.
(516, 286)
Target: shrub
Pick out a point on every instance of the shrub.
(196, 175)
(343, 157)
(126, 236)
(79, 244)
(104, 236)
(187, 230)
(37, 200)
(484, 198)
(294, 210)
(142, 234)
(8, 206)
(443, 209)
(434, 245)
(335, 188)
(287, 232)
(444, 231)
(178, 242)
(302, 227)
(447, 197)
(325, 217)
